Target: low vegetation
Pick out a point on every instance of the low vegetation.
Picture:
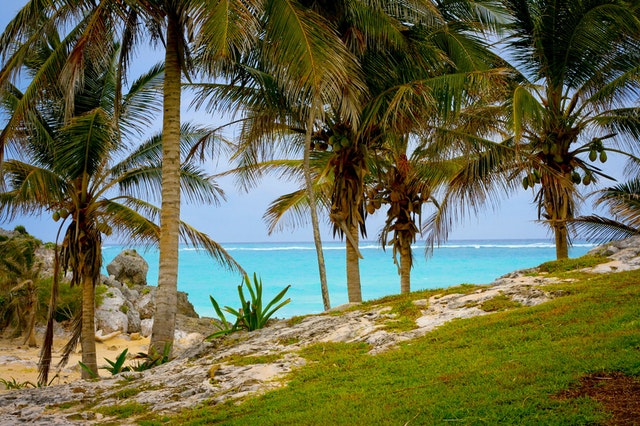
(566, 265)
(123, 411)
(25, 291)
(240, 360)
(253, 313)
(512, 367)
(499, 303)
(403, 315)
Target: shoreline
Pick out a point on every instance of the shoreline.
(281, 264)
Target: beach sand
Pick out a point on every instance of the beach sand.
(19, 363)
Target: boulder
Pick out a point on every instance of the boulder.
(145, 302)
(134, 321)
(111, 311)
(129, 268)
(146, 327)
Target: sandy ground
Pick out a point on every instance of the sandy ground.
(19, 363)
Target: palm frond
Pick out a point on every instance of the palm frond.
(85, 143)
(526, 111)
(229, 29)
(600, 230)
(623, 201)
(625, 123)
(324, 69)
(141, 103)
(197, 239)
(72, 343)
(199, 188)
(288, 210)
(131, 218)
(33, 189)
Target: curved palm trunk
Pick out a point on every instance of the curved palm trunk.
(406, 262)
(353, 266)
(315, 224)
(88, 333)
(166, 298)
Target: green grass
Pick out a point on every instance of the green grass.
(295, 320)
(566, 265)
(289, 341)
(503, 368)
(499, 303)
(242, 360)
(395, 300)
(123, 411)
(405, 314)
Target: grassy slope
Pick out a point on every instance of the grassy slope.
(498, 369)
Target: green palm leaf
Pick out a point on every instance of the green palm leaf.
(601, 230)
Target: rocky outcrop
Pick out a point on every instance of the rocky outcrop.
(129, 268)
(115, 308)
(8, 233)
(624, 255)
(128, 306)
(185, 307)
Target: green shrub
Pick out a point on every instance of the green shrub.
(69, 300)
(152, 359)
(21, 230)
(14, 384)
(102, 291)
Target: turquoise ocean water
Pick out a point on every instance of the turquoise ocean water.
(280, 264)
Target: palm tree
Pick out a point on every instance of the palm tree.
(284, 86)
(69, 166)
(167, 21)
(415, 59)
(19, 272)
(405, 181)
(576, 95)
(396, 60)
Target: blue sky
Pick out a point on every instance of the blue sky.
(239, 219)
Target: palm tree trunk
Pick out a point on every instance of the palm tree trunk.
(30, 338)
(166, 298)
(315, 224)
(557, 202)
(88, 332)
(562, 240)
(559, 210)
(353, 267)
(405, 265)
